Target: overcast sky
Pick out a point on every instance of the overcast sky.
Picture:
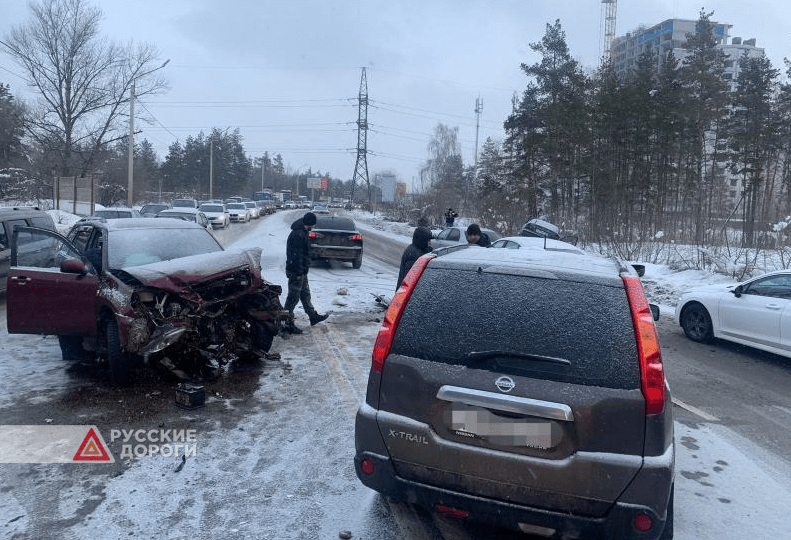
(287, 73)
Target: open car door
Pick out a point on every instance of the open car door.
(51, 288)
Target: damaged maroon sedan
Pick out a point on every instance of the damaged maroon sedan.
(131, 290)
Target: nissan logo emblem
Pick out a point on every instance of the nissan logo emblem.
(505, 384)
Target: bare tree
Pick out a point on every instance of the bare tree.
(84, 80)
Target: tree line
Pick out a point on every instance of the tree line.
(79, 124)
(675, 152)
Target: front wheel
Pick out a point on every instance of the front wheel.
(696, 322)
(121, 363)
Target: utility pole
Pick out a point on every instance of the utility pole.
(478, 111)
(130, 168)
(211, 167)
(361, 165)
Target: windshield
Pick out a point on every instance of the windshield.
(236, 206)
(184, 202)
(135, 247)
(211, 208)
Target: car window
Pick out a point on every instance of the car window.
(135, 247)
(40, 250)
(454, 235)
(3, 235)
(341, 224)
(444, 234)
(10, 224)
(774, 286)
(527, 323)
(79, 237)
(42, 223)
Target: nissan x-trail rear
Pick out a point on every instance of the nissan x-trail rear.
(523, 388)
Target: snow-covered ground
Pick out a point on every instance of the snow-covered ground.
(276, 462)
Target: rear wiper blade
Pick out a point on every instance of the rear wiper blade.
(483, 355)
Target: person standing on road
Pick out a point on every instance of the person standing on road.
(450, 217)
(477, 237)
(419, 246)
(297, 265)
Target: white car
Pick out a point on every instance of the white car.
(187, 214)
(756, 313)
(532, 242)
(217, 215)
(255, 213)
(238, 212)
(451, 236)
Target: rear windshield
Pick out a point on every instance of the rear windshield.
(337, 223)
(582, 330)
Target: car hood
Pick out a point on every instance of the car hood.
(177, 274)
(716, 288)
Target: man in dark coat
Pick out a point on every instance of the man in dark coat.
(297, 265)
(418, 247)
(450, 217)
(477, 237)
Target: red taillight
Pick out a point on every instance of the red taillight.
(384, 339)
(367, 466)
(311, 234)
(643, 523)
(652, 374)
(449, 510)
(356, 237)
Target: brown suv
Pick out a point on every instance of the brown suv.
(523, 388)
(134, 289)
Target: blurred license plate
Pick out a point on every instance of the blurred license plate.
(478, 423)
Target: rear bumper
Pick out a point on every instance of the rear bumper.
(616, 524)
(616, 521)
(338, 253)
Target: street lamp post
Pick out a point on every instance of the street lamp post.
(130, 179)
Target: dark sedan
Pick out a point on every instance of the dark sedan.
(336, 238)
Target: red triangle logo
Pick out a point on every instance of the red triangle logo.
(92, 449)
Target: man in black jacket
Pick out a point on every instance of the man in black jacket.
(477, 237)
(418, 247)
(297, 265)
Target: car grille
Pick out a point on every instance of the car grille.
(227, 286)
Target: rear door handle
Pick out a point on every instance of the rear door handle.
(20, 279)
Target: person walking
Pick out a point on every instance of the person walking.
(297, 265)
(419, 246)
(450, 217)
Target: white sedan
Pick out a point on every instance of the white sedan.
(533, 242)
(756, 312)
(216, 213)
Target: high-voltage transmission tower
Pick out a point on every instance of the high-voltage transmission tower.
(609, 10)
(361, 166)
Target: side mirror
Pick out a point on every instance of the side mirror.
(640, 269)
(737, 292)
(73, 266)
(654, 311)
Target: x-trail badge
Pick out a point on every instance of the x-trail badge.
(505, 384)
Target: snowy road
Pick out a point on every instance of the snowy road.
(275, 440)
